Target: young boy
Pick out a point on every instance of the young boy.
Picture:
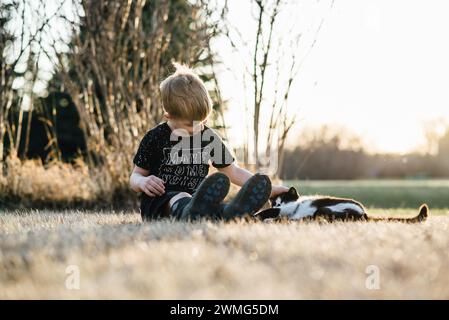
(172, 161)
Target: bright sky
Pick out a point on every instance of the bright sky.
(379, 67)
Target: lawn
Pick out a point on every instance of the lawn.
(118, 256)
(382, 193)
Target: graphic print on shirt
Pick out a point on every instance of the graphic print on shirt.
(184, 167)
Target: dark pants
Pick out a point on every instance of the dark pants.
(152, 208)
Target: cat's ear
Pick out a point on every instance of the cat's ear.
(292, 191)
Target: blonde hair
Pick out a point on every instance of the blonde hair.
(184, 95)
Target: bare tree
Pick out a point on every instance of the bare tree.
(113, 63)
(22, 24)
(110, 56)
(6, 69)
(268, 59)
(8, 63)
(110, 70)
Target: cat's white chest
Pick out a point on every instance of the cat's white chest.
(298, 210)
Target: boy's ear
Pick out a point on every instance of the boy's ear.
(292, 191)
(167, 115)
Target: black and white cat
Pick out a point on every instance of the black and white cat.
(293, 207)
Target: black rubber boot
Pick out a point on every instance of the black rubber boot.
(206, 200)
(253, 195)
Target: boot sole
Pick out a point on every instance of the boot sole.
(207, 198)
(248, 202)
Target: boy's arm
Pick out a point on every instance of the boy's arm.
(236, 174)
(239, 176)
(141, 181)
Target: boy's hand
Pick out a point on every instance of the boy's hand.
(275, 190)
(152, 186)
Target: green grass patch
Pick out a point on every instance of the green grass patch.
(381, 193)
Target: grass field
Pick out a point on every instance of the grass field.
(116, 256)
(382, 193)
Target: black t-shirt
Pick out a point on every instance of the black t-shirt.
(182, 162)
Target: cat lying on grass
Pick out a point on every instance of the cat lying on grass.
(289, 205)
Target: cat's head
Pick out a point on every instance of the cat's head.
(289, 196)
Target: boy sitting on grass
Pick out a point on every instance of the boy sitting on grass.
(172, 161)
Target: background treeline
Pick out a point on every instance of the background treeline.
(333, 154)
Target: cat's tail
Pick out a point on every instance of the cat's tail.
(422, 216)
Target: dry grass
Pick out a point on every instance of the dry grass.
(119, 257)
(30, 183)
